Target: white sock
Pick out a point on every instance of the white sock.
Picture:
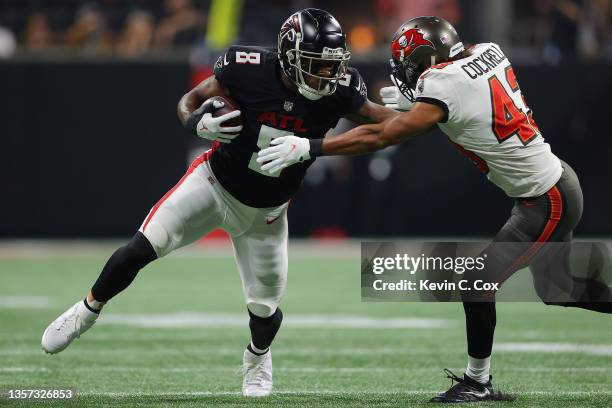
(478, 369)
(259, 351)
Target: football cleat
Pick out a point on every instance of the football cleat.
(67, 327)
(468, 390)
(257, 371)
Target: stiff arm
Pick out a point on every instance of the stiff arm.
(376, 136)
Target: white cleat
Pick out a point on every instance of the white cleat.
(257, 371)
(69, 326)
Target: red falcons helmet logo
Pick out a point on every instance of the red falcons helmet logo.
(405, 44)
(291, 27)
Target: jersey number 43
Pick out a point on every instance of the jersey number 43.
(508, 118)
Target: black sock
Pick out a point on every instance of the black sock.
(122, 267)
(264, 329)
(91, 309)
(250, 348)
(480, 320)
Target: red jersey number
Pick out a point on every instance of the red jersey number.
(509, 119)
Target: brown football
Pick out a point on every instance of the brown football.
(230, 106)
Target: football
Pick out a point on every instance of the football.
(230, 106)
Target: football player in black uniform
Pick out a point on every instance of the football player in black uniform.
(303, 87)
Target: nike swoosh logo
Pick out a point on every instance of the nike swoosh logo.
(477, 394)
(358, 85)
(272, 220)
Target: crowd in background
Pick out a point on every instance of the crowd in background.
(135, 27)
(107, 26)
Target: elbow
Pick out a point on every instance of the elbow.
(384, 142)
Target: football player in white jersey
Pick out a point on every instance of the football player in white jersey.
(472, 94)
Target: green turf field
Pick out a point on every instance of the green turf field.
(175, 339)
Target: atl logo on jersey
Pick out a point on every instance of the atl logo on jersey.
(280, 121)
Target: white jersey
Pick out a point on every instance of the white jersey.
(489, 121)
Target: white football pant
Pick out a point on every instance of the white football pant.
(197, 205)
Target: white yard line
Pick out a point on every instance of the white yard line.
(118, 351)
(515, 348)
(23, 370)
(26, 302)
(223, 320)
(588, 349)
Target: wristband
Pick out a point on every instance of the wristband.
(196, 116)
(192, 122)
(316, 148)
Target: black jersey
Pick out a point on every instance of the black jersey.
(269, 110)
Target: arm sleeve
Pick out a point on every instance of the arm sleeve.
(436, 87)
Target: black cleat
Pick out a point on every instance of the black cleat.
(468, 390)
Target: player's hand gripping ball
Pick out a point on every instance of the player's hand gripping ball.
(221, 121)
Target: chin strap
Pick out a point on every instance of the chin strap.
(310, 95)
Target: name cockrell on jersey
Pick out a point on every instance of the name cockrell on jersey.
(519, 161)
(253, 77)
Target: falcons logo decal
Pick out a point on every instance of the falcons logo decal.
(291, 27)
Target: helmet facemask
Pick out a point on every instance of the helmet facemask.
(303, 64)
(405, 74)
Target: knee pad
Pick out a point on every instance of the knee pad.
(163, 231)
(262, 308)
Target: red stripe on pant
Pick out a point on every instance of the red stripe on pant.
(203, 158)
(556, 211)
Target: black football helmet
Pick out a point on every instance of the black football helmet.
(309, 40)
(418, 44)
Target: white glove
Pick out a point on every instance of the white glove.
(210, 128)
(393, 98)
(284, 151)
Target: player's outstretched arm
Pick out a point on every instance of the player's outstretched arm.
(193, 99)
(369, 138)
(371, 112)
(287, 150)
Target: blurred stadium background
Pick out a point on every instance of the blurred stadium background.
(90, 141)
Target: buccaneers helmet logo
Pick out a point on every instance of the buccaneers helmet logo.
(409, 41)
